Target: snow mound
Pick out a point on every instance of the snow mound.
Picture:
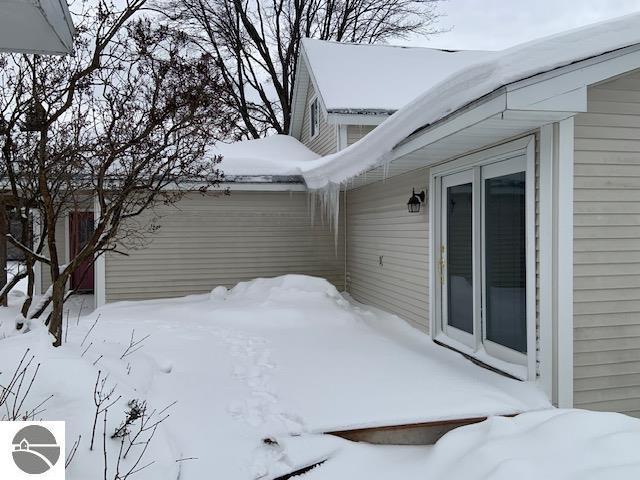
(274, 155)
(285, 288)
(552, 444)
(549, 445)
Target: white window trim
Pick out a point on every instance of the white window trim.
(524, 146)
(313, 134)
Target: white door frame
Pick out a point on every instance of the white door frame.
(521, 147)
(504, 167)
(453, 180)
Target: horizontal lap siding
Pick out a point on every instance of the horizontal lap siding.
(607, 249)
(356, 132)
(205, 241)
(326, 140)
(378, 224)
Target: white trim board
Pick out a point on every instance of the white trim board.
(545, 243)
(564, 262)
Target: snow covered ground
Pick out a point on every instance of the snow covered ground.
(267, 359)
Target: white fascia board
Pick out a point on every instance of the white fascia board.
(264, 187)
(567, 85)
(495, 105)
(572, 101)
(563, 90)
(355, 118)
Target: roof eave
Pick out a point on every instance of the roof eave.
(562, 89)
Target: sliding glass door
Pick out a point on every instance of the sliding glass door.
(483, 258)
(456, 264)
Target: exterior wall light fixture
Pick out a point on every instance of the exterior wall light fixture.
(415, 201)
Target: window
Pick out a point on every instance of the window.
(485, 282)
(314, 117)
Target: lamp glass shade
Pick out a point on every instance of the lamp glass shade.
(413, 204)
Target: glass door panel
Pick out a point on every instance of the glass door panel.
(460, 256)
(504, 259)
(457, 251)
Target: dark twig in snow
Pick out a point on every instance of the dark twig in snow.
(72, 452)
(102, 401)
(134, 345)
(90, 330)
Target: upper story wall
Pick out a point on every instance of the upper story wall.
(325, 141)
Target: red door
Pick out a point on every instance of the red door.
(80, 230)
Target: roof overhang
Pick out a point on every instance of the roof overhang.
(36, 26)
(509, 112)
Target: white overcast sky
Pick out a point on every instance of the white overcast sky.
(497, 24)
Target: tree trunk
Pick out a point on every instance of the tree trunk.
(26, 305)
(4, 228)
(55, 318)
(4, 292)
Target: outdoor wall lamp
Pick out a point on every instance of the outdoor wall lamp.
(415, 201)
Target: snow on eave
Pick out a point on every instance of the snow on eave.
(378, 112)
(469, 86)
(276, 156)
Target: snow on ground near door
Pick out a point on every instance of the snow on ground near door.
(550, 445)
(268, 358)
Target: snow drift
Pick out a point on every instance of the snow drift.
(269, 357)
(550, 445)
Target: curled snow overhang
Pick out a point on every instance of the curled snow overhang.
(36, 26)
(508, 93)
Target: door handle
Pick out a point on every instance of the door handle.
(442, 264)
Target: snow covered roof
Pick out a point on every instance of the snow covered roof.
(378, 78)
(468, 85)
(361, 78)
(277, 155)
(36, 26)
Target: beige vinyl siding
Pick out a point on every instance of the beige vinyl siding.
(356, 132)
(205, 241)
(326, 140)
(607, 249)
(378, 224)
